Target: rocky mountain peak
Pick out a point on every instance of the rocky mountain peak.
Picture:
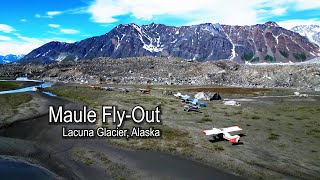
(271, 23)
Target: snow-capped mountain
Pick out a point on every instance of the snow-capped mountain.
(257, 43)
(312, 32)
(10, 58)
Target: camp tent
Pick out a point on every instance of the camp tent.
(178, 95)
(215, 96)
(185, 97)
(231, 103)
(202, 96)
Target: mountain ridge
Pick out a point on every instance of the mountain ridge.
(256, 43)
(312, 32)
(10, 58)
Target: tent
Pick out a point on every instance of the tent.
(185, 97)
(215, 96)
(202, 96)
(178, 95)
(231, 103)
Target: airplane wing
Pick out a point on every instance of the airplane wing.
(212, 131)
(231, 129)
(222, 130)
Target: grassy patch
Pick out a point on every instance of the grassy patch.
(203, 120)
(226, 90)
(271, 119)
(80, 155)
(172, 140)
(314, 133)
(255, 117)
(218, 147)
(12, 101)
(78, 94)
(8, 85)
(273, 136)
(301, 109)
(171, 133)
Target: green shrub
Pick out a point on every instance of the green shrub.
(269, 58)
(273, 136)
(300, 56)
(284, 54)
(247, 57)
(255, 117)
(255, 59)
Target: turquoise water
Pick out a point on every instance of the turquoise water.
(49, 94)
(15, 169)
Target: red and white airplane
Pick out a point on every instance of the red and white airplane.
(219, 133)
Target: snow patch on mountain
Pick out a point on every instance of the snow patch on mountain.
(312, 32)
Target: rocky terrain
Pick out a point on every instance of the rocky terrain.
(172, 71)
(257, 43)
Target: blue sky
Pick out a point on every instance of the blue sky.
(28, 24)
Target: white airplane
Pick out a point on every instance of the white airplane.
(219, 133)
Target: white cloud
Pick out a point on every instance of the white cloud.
(86, 35)
(278, 11)
(4, 38)
(296, 22)
(37, 16)
(227, 11)
(23, 20)
(298, 5)
(49, 14)
(62, 30)
(6, 28)
(69, 31)
(54, 25)
(53, 13)
(305, 5)
(24, 45)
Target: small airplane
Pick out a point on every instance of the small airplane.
(219, 133)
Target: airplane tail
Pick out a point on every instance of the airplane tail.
(232, 139)
(235, 140)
